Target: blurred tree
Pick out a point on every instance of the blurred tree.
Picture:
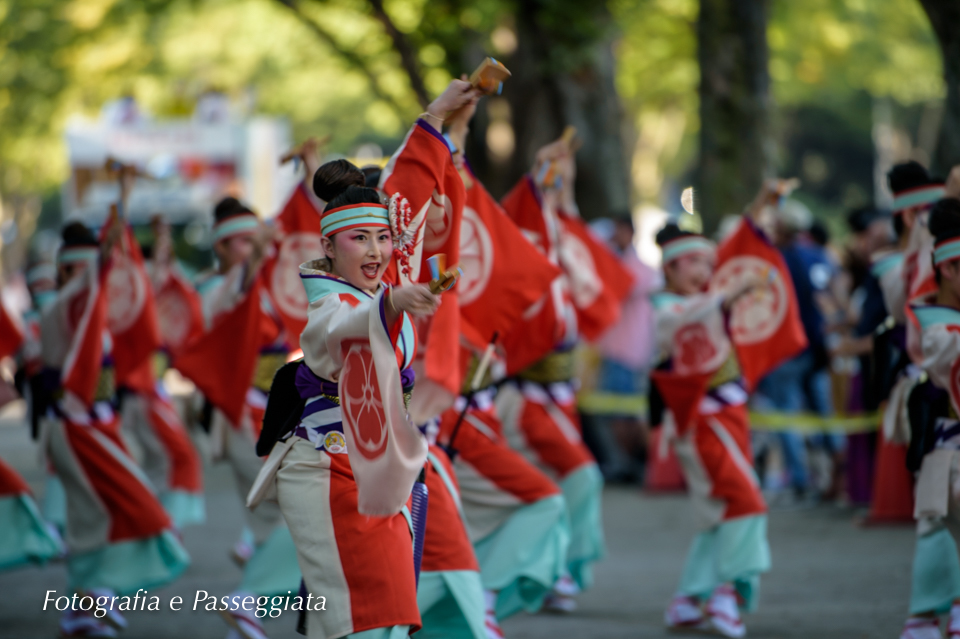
(945, 17)
(563, 74)
(657, 75)
(335, 66)
(734, 106)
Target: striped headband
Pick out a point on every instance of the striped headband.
(354, 216)
(243, 224)
(946, 250)
(685, 245)
(78, 254)
(926, 194)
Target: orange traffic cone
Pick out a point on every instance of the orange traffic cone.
(663, 474)
(892, 485)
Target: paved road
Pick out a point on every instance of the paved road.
(831, 578)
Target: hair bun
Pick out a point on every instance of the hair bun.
(908, 175)
(333, 178)
(945, 218)
(229, 207)
(77, 234)
(669, 232)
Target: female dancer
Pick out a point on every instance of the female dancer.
(537, 406)
(119, 537)
(268, 558)
(515, 514)
(713, 445)
(363, 565)
(345, 469)
(936, 564)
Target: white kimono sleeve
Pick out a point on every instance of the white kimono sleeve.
(330, 322)
(56, 329)
(941, 348)
(224, 295)
(705, 309)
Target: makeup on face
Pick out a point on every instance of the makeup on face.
(361, 256)
(234, 250)
(690, 274)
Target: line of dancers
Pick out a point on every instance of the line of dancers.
(388, 370)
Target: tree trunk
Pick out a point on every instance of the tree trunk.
(734, 106)
(547, 92)
(945, 18)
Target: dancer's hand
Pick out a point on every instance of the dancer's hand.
(457, 94)
(742, 286)
(415, 299)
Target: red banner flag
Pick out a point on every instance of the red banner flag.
(298, 241)
(11, 332)
(131, 311)
(598, 281)
(541, 326)
(423, 173)
(222, 361)
(87, 315)
(765, 325)
(503, 273)
(522, 205)
(179, 312)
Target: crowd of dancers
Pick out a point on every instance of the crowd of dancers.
(388, 370)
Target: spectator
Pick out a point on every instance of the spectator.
(802, 383)
(626, 350)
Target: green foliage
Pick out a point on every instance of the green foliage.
(842, 46)
(64, 57)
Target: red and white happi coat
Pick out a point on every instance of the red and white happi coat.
(494, 479)
(700, 382)
(110, 499)
(354, 543)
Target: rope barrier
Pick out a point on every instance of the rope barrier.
(607, 404)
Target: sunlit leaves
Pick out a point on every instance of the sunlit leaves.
(885, 48)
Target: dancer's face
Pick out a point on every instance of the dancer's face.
(689, 274)
(68, 271)
(360, 256)
(949, 284)
(234, 250)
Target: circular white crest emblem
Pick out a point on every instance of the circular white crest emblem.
(757, 315)
(439, 222)
(581, 270)
(126, 293)
(361, 404)
(695, 352)
(476, 257)
(287, 291)
(173, 315)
